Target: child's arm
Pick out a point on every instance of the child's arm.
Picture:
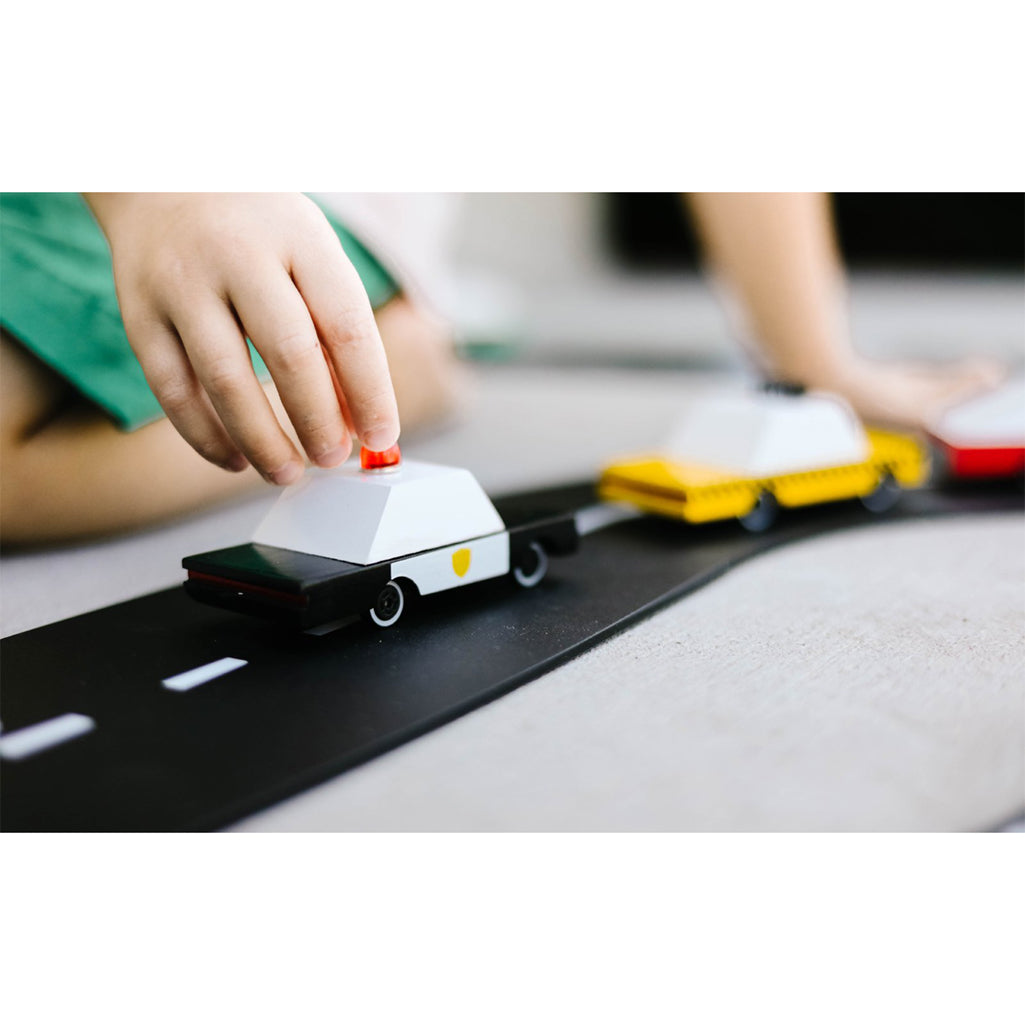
(196, 274)
(777, 254)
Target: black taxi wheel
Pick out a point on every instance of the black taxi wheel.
(762, 515)
(885, 495)
(531, 565)
(389, 606)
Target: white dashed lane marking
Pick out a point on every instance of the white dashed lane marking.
(604, 514)
(203, 674)
(32, 739)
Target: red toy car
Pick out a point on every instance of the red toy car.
(985, 437)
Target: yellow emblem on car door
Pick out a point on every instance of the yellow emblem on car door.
(461, 561)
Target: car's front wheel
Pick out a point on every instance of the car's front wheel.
(388, 608)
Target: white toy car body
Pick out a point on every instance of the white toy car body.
(345, 541)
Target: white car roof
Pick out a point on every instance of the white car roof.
(995, 419)
(368, 516)
(757, 434)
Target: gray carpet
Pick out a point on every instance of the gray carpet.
(866, 681)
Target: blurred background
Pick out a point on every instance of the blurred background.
(589, 326)
(614, 278)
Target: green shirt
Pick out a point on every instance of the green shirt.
(57, 298)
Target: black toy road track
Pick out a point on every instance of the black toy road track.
(299, 709)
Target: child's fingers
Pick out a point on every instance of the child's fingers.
(220, 358)
(343, 405)
(345, 323)
(277, 321)
(176, 387)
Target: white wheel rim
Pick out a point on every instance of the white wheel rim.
(534, 578)
(397, 613)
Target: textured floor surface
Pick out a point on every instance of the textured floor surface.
(870, 680)
(863, 681)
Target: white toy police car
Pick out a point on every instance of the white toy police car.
(365, 539)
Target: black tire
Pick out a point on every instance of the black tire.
(763, 515)
(531, 565)
(885, 496)
(388, 608)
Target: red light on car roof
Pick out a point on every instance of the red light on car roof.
(390, 457)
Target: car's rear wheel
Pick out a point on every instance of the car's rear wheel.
(531, 565)
(389, 606)
(762, 515)
(885, 495)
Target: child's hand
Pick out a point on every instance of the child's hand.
(196, 274)
(910, 395)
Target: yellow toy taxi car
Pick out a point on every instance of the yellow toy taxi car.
(745, 456)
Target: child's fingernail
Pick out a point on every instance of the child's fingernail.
(287, 474)
(333, 457)
(379, 441)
